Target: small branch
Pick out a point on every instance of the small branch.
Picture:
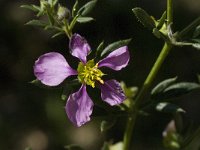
(148, 82)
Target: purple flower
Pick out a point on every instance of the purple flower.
(52, 69)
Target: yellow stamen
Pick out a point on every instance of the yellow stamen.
(89, 73)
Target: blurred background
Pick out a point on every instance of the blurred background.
(35, 117)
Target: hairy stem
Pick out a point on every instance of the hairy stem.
(148, 82)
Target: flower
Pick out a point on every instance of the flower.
(52, 69)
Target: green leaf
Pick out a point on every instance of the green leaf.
(99, 51)
(57, 34)
(50, 27)
(130, 92)
(73, 147)
(168, 108)
(99, 48)
(84, 10)
(179, 89)
(162, 86)
(36, 23)
(40, 13)
(196, 32)
(169, 89)
(196, 45)
(144, 18)
(107, 124)
(178, 122)
(161, 20)
(50, 17)
(114, 46)
(196, 40)
(74, 9)
(157, 33)
(84, 19)
(31, 7)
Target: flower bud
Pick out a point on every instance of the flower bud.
(43, 5)
(171, 137)
(63, 12)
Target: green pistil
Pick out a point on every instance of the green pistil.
(89, 73)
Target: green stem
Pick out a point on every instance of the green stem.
(67, 30)
(169, 12)
(72, 24)
(148, 82)
(150, 78)
(129, 130)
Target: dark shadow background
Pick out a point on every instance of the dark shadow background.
(32, 116)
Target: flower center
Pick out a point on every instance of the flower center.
(89, 73)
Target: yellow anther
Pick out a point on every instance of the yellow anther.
(89, 73)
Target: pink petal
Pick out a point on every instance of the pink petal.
(52, 69)
(111, 92)
(79, 107)
(117, 59)
(79, 47)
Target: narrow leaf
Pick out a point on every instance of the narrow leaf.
(74, 9)
(178, 122)
(196, 32)
(31, 7)
(50, 17)
(130, 92)
(100, 48)
(84, 19)
(179, 89)
(162, 86)
(144, 18)
(99, 51)
(57, 34)
(157, 33)
(162, 20)
(196, 40)
(114, 46)
(50, 27)
(168, 108)
(36, 23)
(196, 45)
(84, 10)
